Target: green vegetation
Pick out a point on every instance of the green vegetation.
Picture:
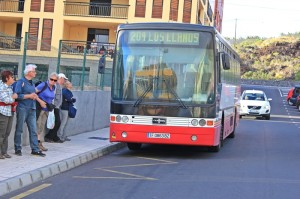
(270, 59)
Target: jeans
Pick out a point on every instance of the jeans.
(27, 115)
(64, 120)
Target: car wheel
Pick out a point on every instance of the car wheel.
(241, 117)
(134, 146)
(268, 117)
(290, 103)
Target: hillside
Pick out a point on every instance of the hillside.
(270, 59)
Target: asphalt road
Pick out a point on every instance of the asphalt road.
(261, 162)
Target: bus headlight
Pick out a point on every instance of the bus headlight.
(125, 119)
(118, 118)
(202, 122)
(194, 122)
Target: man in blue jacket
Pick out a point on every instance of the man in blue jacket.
(26, 111)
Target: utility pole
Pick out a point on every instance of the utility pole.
(235, 32)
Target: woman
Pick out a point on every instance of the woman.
(47, 95)
(68, 100)
(7, 107)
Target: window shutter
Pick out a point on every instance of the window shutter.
(187, 8)
(157, 9)
(33, 33)
(47, 35)
(174, 10)
(49, 6)
(140, 8)
(35, 5)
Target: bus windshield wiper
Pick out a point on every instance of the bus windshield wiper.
(140, 99)
(175, 95)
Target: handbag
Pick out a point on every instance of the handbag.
(51, 120)
(72, 111)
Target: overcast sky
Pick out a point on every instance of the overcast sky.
(264, 18)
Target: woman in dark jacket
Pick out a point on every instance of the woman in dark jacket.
(67, 101)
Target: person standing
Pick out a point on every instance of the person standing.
(47, 95)
(26, 111)
(51, 136)
(68, 100)
(7, 106)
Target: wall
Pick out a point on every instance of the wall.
(93, 109)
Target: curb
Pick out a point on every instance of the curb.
(43, 173)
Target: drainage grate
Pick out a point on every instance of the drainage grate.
(98, 138)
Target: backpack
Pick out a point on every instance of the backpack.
(44, 88)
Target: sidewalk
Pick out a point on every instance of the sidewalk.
(20, 171)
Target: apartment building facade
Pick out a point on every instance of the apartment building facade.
(68, 36)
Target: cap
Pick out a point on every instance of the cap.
(61, 75)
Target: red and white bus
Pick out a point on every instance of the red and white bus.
(174, 84)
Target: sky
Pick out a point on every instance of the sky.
(263, 18)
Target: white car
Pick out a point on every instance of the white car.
(255, 103)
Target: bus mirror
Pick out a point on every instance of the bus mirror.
(225, 61)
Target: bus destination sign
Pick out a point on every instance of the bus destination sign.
(163, 37)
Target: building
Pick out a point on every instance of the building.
(68, 36)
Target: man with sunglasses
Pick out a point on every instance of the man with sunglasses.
(47, 95)
(52, 134)
(26, 111)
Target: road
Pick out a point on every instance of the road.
(261, 162)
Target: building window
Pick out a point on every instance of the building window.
(157, 9)
(47, 35)
(35, 5)
(33, 33)
(140, 8)
(49, 6)
(174, 10)
(187, 8)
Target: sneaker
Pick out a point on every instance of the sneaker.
(42, 148)
(48, 140)
(38, 153)
(6, 155)
(2, 157)
(67, 139)
(59, 141)
(18, 153)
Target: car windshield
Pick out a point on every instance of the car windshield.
(254, 96)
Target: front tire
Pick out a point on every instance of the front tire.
(134, 146)
(218, 147)
(268, 117)
(290, 103)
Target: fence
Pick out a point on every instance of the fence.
(88, 65)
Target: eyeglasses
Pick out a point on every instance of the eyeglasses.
(55, 80)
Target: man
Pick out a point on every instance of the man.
(26, 111)
(52, 134)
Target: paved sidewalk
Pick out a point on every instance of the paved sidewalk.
(20, 171)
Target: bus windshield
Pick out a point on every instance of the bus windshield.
(164, 66)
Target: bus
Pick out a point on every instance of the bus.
(173, 83)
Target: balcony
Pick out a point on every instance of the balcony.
(92, 48)
(11, 6)
(102, 10)
(10, 43)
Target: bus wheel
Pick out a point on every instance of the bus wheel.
(134, 146)
(218, 147)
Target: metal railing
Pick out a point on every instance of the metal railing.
(10, 43)
(11, 6)
(92, 48)
(96, 10)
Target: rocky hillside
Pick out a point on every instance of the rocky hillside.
(270, 59)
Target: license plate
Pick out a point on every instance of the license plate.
(253, 111)
(159, 135)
